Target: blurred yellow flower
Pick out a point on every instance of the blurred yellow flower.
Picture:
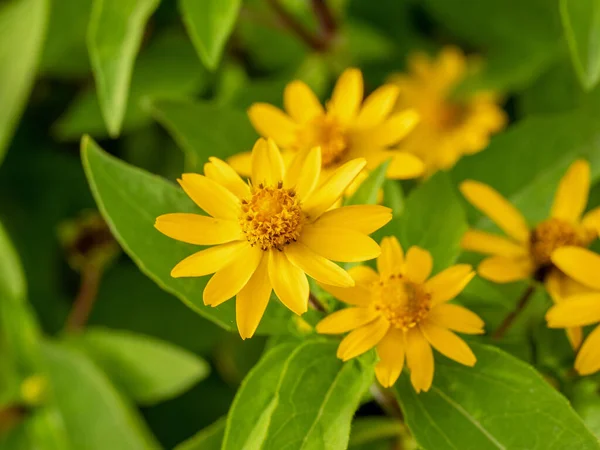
(527, 253)
(345, 129)
(580, 309)
(267, 235)
(449, 127)
(404, 314)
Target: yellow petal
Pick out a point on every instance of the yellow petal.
(363, 339)
(448, 344)
(419, 358)
(308, 175)
(391, 357)
(332, 189)
(230, 279)
(561, 288)
(252, 300)
(404, 166)
(362, 218)
(241, 163)
(289, 282)
(572, 194)
(301, 103)
(272, 122)
(504, 270)
(267, 163)
(580, 264)
(339, 244)
(209, 195)
(363, 275)
(591, 220)
(321, 269)
(225, 175)
(418, 264)
(391, 260)
(576, 311)
(377, 106)
(394, 128)
(575, 336)
(491, 244)
(497, 208)
(588, 358)
(456, 318)
(449, 283)
(358, 295)
(208, 261)
(346, 319)
(347, 95)
(197, 229)
(295, 166)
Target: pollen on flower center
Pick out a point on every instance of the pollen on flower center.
(329, 134)
(550, 235)
(403, 303)
(272, 217)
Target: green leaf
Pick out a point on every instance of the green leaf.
(581, 22)
(500, 403)
(147, 369)
(22, 30)
(366, 430)
(168, 68)
(216, 136)
(298, 396)
(209, 24)
(95, 416)
(438, 227)
(114, 38)
(130, 200)
(210, 438)
(369, 190)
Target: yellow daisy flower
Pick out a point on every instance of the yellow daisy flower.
(580, 309)
(526, 253)
(403, 314)
(345, 129)
(269, 234)
(449, 127)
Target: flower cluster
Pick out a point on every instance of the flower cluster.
(267, 233)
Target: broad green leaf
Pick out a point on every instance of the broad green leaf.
(146, 369)
(95, 415)
(224, 131)
(367, 430)
(299, 396)
(209, 24)
(370, 189)
(437, 227)
(114, 37)
(500, 403)
(581, 22)
(210, 438)
(22, 30)
(130, 200)
(168, 68)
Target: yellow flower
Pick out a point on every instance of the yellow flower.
(345, 129)
(404, 314)
(449, 128)
(580, 309)
(526, 253)
(269, 234)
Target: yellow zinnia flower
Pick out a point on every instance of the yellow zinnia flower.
(449, 127)
(268, 234)
(345, 129)
(526, 253)
(403, 314)
(581, 309)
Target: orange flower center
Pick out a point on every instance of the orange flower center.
(403, 303)
(326, 131)
(272, 217)
(552, 234)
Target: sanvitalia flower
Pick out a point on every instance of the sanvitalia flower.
(450, 127)
(403, 314)
(580, 309)
(345, 129)
(269, 234)
(526, 253)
